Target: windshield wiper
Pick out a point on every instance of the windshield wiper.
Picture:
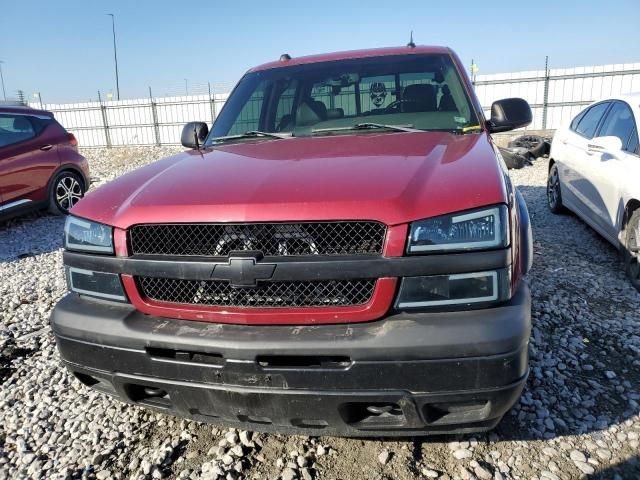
(367, 126)
(251, 134)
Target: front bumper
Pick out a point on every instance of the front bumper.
(406, 374)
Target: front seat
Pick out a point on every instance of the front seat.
(419, 97)
(447, 103)
(310, 112)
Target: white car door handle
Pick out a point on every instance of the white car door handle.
(593, 149)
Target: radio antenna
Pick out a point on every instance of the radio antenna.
(411, 44)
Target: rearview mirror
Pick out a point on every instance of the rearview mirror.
(610, 145)
(194, 134)
(508, 114)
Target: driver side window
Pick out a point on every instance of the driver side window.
(618, 123)
(589, 122)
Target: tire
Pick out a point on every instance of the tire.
(554, 194)
(533, 143)
(632, 249)
(512, 159)
(67, 188)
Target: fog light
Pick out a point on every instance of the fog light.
(458, 289)
(96, 284)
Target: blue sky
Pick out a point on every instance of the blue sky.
(63, 48)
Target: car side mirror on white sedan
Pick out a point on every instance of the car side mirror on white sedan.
(608, 145)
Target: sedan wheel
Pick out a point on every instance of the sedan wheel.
(67, 191)
(632, 250)
(554, 197)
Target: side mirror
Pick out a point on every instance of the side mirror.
(609, 145)
(508, 114)
(194, 134)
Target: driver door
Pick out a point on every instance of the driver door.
(579, 164)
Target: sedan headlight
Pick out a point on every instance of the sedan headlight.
(86, 236)
(472, 230)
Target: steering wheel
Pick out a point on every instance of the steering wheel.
(395, 105)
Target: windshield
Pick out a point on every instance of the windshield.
(421, 92)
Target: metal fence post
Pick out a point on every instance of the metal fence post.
(212, 104)
(545, 99)
(154, 115)
(105, 122)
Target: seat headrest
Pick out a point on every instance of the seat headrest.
(21, 124)
(310, 112)
(421, 98)
(335, 113)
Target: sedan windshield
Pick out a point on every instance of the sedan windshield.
(394, 93)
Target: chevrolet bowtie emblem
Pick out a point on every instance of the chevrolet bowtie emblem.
(243, 272)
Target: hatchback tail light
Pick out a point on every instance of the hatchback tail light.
(73, 141)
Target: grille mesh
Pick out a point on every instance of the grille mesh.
(272, 239)
(331, 293)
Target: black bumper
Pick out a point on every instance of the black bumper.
(406, 374)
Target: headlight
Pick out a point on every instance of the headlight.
(96, 284)
(481, 288)
(477, 229)
(87, 236)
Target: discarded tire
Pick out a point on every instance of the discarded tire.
(514, 157)
(534, 144)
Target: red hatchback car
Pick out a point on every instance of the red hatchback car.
(39, 163)
(342, 254)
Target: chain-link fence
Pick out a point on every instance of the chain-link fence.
(557, 95)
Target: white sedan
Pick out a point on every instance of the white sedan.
(594, 171)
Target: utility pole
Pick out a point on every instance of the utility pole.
(115, 53)
(4, 93)
(186, 87)
(474, 69)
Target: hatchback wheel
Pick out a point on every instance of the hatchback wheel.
(554, 198)
(66, 190)
(632, 250)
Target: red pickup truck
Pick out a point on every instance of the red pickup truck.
(342, 254)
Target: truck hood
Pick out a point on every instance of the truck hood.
(390, 177)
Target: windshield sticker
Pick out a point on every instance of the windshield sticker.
(378, 94)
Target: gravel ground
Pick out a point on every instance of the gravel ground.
(578, 417)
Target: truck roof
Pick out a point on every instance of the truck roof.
(371, 52)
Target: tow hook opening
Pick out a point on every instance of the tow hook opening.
(456, 412)
(365, 414)
(148, 395)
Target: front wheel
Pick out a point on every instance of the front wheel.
(554, 197)
(632, 250)
(66, 190)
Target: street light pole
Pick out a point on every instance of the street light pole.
(186, 87)
(4, 94)
(115, 53)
